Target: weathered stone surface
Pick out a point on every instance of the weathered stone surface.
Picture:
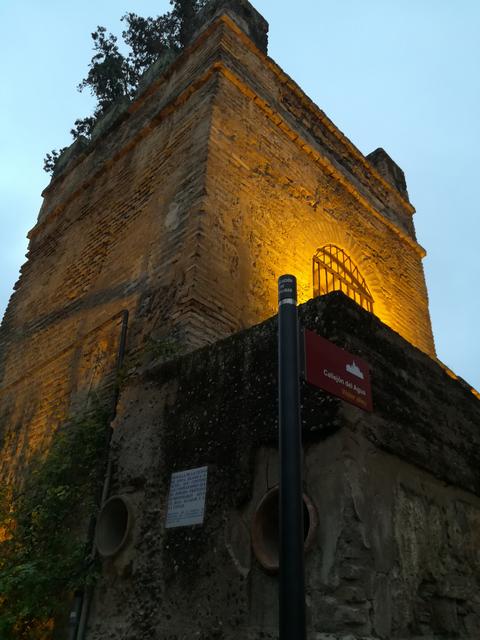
(252, 23)
(389, 170)
(74, 151)
(110, 119)
(222, 177)
(395, 552)
(155, 70)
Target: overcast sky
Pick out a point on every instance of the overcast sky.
(400, 75)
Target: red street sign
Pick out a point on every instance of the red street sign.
(335, 370)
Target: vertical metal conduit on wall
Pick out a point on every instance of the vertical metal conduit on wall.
(78, 621)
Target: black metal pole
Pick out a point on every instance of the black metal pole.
(292, 574)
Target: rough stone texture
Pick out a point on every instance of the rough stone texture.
(71, 153)
(395, 554)
(218, 178)
(243, 14)
(110, 119)
(53, 387)
(389, 169)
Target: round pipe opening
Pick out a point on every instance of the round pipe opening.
(113, 526)
(265, 529)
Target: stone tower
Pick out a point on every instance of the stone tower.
(160, 238)
(183, 210)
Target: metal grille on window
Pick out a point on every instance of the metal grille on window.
(333, 270)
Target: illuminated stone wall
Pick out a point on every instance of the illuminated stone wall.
(117, 231)
(55, 386)
(282, 182)
(221, 176)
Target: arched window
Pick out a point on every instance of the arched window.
(333, 270)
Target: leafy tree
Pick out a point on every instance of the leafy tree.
(109, 78)
(84, 126)
(112, 76)
(183, 17)
(147, 38)
(109, 74)
(42, 551)
(51, 159)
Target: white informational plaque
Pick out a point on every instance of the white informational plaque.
(186, 500)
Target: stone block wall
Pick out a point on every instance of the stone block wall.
(115, 233)
(219, 177)
(395, 551)
(279, 188)
(55, 385)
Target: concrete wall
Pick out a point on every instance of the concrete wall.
(395, 553)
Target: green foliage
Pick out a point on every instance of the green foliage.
(183, 17)
(147, 39)
(112, 75)
(43, 551)
(83, 127)
(108, 77)
(51, 159)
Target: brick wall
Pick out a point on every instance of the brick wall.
(119, 239)
(272, 201)
(221, 176)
